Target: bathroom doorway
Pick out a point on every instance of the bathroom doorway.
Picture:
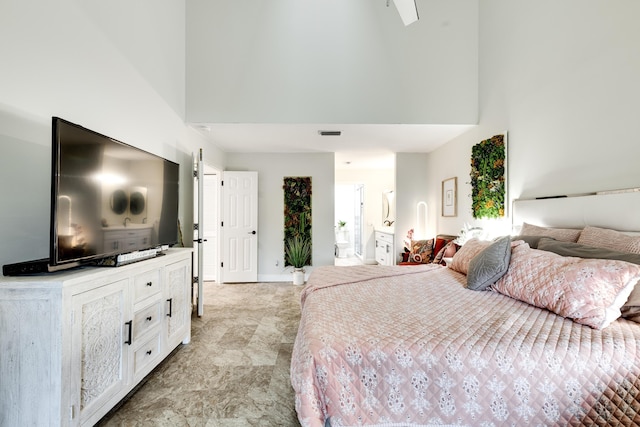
(358, 220)
(349, 206)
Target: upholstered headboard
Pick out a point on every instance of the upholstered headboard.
(618, 211)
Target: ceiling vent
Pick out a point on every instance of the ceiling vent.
(330, 132)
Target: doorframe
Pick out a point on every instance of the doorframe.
(211, 170)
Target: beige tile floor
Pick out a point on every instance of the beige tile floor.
(235, 371)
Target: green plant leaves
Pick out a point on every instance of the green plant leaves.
(488, 178)
(297, 213)
(297, 251)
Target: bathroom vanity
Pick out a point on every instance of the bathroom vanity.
(384, 246)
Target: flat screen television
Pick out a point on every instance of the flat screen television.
(107, 197)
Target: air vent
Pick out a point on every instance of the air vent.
(330, 132)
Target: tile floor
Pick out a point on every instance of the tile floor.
(235, 371)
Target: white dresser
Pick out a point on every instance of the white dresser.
(385, 253)
(73, 344)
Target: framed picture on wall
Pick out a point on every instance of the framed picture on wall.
(449, 202)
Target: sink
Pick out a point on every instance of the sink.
(129, 226)
(386, 229)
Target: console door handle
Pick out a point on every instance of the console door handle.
(130, 327)
(170, 301)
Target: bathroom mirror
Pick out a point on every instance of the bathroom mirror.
(388, 208)
(138, 204)
(119, 202)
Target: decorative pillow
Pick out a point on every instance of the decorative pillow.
(610, 239)
(447, 251)
(440, 243)
(421, 251)
(589, 291)
(489, 265)
(563, 234)
(631, 309)
(466, 253)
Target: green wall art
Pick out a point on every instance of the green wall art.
(488, 177)
(297, 212)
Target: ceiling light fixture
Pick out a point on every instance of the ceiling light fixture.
(407, 9)
(330, 132)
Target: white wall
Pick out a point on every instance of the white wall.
(272, 168)
(332, 61)
(63, 58)
(562, 78)
(375, 182)
(411, 188)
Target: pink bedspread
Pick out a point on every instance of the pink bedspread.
(415, 348)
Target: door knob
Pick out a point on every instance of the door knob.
(252, 232)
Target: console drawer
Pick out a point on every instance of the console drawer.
(146, 284)
(145, 355)
(146, 319)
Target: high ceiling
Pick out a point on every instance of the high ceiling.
(362, 146)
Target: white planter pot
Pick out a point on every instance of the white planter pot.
(298, 276)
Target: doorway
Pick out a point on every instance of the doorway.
(211, 222)
(349, 208)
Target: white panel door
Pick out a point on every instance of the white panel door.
(240, 226)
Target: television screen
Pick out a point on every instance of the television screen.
(107, 197)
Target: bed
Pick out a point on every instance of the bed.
(415, 346)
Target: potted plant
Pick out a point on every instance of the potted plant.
(341, 224)
(297, 252)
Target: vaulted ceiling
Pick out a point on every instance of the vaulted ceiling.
(267, 76)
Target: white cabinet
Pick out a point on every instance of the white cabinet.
(77, 342)
(177, 298)
(384, 248)
(100, 328)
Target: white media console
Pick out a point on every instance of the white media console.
(74, 343)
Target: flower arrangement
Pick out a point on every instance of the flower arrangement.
(407, 246)
(488, 178)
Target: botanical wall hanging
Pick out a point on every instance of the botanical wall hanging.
(297, 214)
(488, 177)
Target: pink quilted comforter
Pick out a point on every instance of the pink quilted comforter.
(410, 346)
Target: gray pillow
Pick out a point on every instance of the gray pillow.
(584, 251)
(532, 241)
(489, 265)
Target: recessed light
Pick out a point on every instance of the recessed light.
(330, 132)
